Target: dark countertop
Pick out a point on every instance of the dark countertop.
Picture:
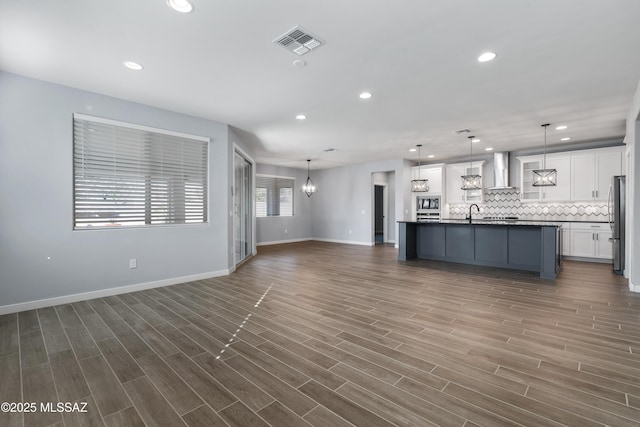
(481, 221)
(544, 220)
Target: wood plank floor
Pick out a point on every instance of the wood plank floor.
(335, 335)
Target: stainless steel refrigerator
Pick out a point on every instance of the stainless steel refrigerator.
(617, 207)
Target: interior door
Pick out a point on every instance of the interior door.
(379, 216)
(243, 207)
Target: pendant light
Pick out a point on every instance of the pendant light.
(544, 177)
(309, 188)
(419, 185)
(471, 182)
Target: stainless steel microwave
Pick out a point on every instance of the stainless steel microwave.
(428, 203)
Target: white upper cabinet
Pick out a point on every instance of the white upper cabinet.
(454, 192)
(527, 165)
(562, 190)
(581, 175)
(453, 180)
(592, 171)
(559, 192)
(433, 173)
(608, 165)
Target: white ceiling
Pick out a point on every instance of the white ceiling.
(572, 62)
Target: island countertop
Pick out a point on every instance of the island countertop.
(480, 221)
(513, 244)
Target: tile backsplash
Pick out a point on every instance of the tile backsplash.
(508, 203)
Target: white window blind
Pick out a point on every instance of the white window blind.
(274, 195)
(128, 175)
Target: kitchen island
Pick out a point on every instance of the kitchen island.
(515, 245)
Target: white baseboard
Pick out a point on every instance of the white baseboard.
(585, 259)
(66, 299)
(346, 242)
(279, 242)
(319, 239)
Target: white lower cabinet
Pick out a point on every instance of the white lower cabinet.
(590, 240)
(604, 247)
(566, 239)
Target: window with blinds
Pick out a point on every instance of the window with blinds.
(129, 175)
(274, 195)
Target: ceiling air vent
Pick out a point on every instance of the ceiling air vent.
(298, 41)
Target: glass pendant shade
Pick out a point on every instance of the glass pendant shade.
(544, 177)
(309, 187)
(471, 182)
(419, 185)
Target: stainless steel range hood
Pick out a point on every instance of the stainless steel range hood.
(501, 171)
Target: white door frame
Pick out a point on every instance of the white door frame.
(385, 211)
(247, 157)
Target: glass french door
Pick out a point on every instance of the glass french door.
(243, 207)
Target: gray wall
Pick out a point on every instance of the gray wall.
(342, 208)
(36, 200)
(632, 139)
(296, 227)
(392, 206)
(334, 206)
(236, 142)
(388, 178)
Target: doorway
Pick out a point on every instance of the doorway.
(380, 217)
(242, 206)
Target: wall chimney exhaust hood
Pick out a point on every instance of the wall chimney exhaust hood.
(501, 172)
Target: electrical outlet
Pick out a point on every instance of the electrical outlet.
(133, 263)
(286, 231)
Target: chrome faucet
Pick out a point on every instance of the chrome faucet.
(478, 209)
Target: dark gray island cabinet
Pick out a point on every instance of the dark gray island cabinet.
(514, 245)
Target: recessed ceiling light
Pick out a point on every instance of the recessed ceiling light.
(132, 65)
(365, 95)
(486, 57)
(475, 140)
(413, 150)
(563, 127)
(565, 139)
(299, 63)
(488, 149)
(301, 117)
(430, 156)
(182, 6)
